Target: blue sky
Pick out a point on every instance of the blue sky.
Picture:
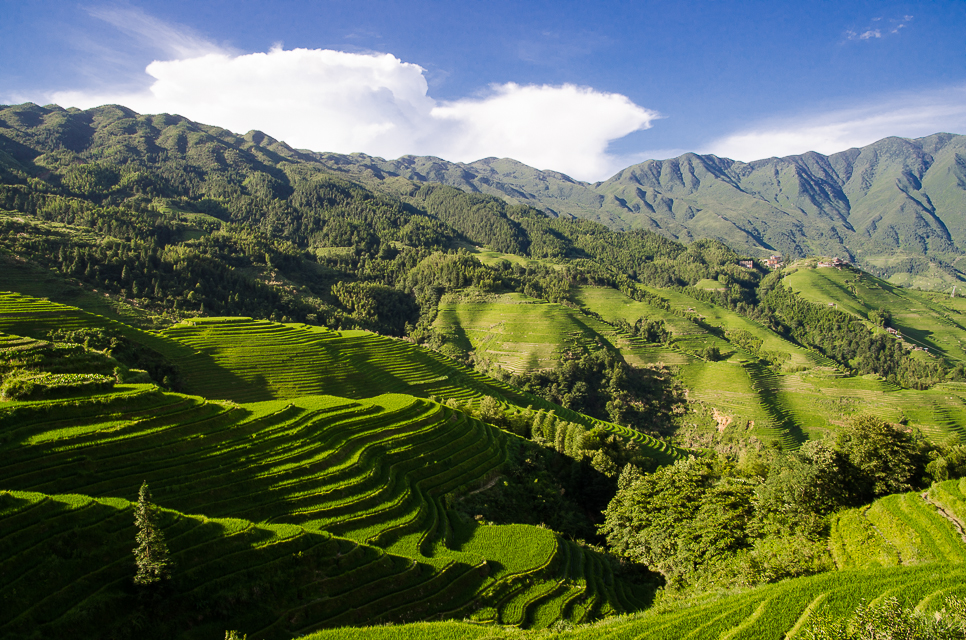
(584, 88)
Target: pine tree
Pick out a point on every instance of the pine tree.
(151, 554)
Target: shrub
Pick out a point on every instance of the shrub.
(17, 389)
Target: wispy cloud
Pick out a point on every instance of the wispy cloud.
(877, 31)
(908, 115)
(553, 48)
(174, 40)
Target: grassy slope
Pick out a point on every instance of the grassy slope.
(514, 331)
(243, 360)
(371, 472)
(817, 398)
(903, 529)
(923, 319)
(374, 472)
(808, 398)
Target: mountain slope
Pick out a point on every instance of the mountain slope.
(893, 206)
(897, 206)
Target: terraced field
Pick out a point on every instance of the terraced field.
(34, 317)
(731, 321)
(739, 391)
(924, 320)
(244, 360)
(324, 504)
(272, 360)
(19, 312)
(904, 529)
(612, 305)
(373, 473)
(516, 332)
(265, 359)
(30, 279)
(744, 395)
(822, 400)
(276, 581)
(780, 610)
(810, 400)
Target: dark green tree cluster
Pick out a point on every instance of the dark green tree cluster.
(646, 329)
(377, 305)
(601, 384)
(711, 522)
(123, 351)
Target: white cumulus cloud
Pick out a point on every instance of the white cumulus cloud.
(377, 104)
(911, 116)
(565, 128)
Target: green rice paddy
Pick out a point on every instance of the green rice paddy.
(305, 479)
(368, 476)
(517, 333)
(340, 498)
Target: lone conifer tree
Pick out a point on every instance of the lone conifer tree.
(151, 554)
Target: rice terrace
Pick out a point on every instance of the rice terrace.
(422, 323)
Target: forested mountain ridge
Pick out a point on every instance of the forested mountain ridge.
(895, 206)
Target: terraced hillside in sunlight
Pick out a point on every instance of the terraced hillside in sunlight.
(272, 360)
(516, 332)
(245, 360)
(808, 396)
(904, 529)
(242, 359)
(908, 546)
(933, 321)
(356, 486)
(780, 610)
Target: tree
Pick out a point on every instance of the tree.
(151, 554)
(886, 459)
(802, 488)
(680, 518)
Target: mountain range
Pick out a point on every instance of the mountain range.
(896, 207)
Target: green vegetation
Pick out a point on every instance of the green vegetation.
(856, 204)
(381, 401)
(922, 319)
(707, 521)
(151, 554)
(889, 618)
(356, 469)
(902, 529)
